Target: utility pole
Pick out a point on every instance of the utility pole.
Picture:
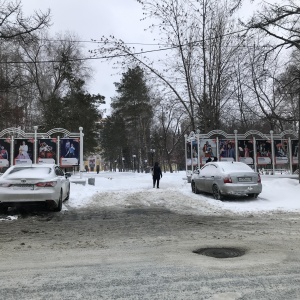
(299, 128)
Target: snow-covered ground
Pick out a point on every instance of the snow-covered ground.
(128, 189)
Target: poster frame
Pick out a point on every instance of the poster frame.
(13, 133)
(255, 137)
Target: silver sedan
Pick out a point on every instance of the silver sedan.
(36, 183)
(225, 179)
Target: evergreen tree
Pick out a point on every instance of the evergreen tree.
(76, 109)
(114, 142)
(132, 104)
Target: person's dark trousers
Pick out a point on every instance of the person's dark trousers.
(155, 181)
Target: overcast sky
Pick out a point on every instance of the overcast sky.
(91, 19)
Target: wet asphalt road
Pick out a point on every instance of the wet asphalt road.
(148, 253)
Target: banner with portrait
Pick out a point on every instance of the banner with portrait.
(227, 150)
(245, 151)
(47, 151)
(192, 153)
(92, 163)
(263, 152)
(69, 152)
(295, 151)
(208, 149)
(4, 152)
(281, 152)
(23, 151)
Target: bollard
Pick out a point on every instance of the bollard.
(91, 181)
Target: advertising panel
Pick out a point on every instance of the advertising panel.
(23, 151)
(208, 150)
(4, 152)
(295, 149)
(47, 151)
(227, 150)
(92, 163)
(246, 153)
(192, 153)
(281, 152)
(69, 152)
(263, 152)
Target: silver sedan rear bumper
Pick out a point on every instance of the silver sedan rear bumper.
(238, 189)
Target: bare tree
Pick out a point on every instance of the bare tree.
(48, 67)
(168, 128)
(198, 57)
(13, 23)
(281, 22)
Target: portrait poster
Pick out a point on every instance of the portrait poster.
(23, 151)
(192, 153)
(92, 163)
(295, 151)
(208, 149)
(47, 151)
(281, 152)
(263, 152)
(245, 151)
(69, 152)
(227, 150)
(4, 152)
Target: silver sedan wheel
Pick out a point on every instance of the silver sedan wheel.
(194, 188)
(216, 192)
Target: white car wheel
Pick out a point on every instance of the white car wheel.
(59, 205)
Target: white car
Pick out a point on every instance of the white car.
(225, 179)
(36, 183)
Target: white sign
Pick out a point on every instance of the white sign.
(227, 159)
(4, 163)
(189, 161)
(22, 161)
(72, 161)
(46, 161)
(263, 160)
(281, 160)
(247, 160)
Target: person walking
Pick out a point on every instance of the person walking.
(156, 174)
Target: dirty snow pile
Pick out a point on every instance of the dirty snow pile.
(129, 189)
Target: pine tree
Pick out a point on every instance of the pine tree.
(132, 105)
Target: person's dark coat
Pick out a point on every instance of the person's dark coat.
(157, 174)
(208, 160)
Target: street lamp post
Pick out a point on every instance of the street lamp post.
(81, 168)
(35, 143)
(134, 156)
(152, 155)
(123, 163)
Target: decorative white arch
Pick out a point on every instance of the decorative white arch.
(16, 132)
(254, 135)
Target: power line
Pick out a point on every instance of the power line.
(92, 41)
(126, 54)
(101, 42)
